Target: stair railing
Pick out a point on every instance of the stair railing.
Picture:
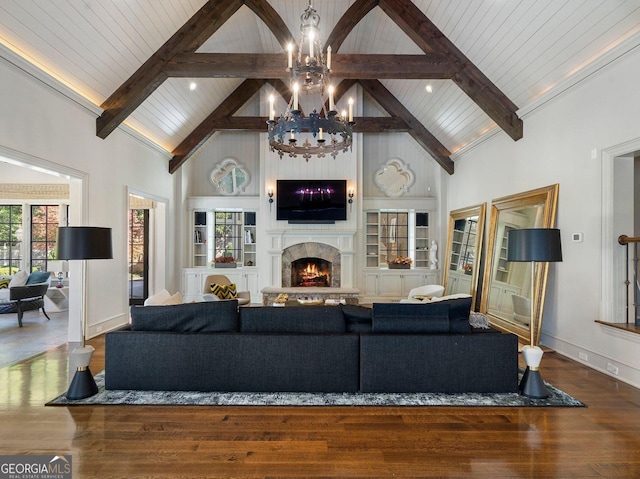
(625, 241)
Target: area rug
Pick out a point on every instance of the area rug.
(557, 398)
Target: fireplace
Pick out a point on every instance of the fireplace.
(310, 272)
(311, 264)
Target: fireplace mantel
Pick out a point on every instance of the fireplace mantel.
(343, 240)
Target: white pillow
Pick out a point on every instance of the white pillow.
(157, 299)
(210, 297)
(175, 299)
(19, 279)
(451, 296)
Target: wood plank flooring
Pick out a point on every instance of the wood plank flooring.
(602, 440)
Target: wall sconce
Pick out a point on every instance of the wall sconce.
(350, 201)
(270, 195)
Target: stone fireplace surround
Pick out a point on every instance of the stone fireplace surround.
(311, 250)
(336, 247)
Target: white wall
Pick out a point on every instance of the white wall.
(42, 125)
(562, 143)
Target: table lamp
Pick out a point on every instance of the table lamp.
(534, 245)
(83, 243)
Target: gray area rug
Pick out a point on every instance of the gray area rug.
(557, 398)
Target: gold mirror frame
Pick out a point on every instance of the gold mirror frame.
(546, 200)
(459, 278)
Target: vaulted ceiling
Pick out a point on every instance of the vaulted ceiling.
(488, 62)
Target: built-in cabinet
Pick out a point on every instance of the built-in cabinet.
(393, 285)
(391, 234)
(504, 266)
(246, 279)
(225, 235)
(500, 298)
(230, 236)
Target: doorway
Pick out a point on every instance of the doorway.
(138, 255)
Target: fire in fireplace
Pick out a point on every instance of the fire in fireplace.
(309, 272)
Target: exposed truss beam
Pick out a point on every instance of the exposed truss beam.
(441, 60)
(271, 19)
(263, 65)
(203, 132)
(348, 21)
(419, 133)
(469, 78)
(150, 75)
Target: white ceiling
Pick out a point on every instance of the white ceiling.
(530, 49)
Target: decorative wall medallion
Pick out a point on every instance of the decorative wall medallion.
(229, 177)
(394, 178)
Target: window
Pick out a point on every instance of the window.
(10, 239)
(228, 237)
(44, 233)
(394, 238)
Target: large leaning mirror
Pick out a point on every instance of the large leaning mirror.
(464, 247)
(506, 290)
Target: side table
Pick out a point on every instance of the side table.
(57, 299)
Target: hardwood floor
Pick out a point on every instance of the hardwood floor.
(602, 440)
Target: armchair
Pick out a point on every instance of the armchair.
(417, 294)
(25, 298)
(244, 297)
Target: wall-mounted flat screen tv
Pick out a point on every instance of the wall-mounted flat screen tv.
(311, 201)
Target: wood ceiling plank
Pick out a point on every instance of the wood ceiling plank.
(203, 132)
(469, 78)
(149, 76)
(270, 66)
(271, 19)
(419, 133)
(348, 21)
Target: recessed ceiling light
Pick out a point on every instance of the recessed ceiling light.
(429, 89)
(192, 86)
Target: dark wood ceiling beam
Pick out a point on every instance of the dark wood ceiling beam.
(258, 124)
(419, 133)
(469, 78)
(150, 75)
(271, 19)
(348, 21)
(204, 130)
(273, 65)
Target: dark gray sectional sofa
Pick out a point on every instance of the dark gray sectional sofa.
(214, 346)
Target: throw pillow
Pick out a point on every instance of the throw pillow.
(19, 279)
(175, 299)
(157, 299)
(410, 318)
(224, 291)
(38, 277)
(4, 283)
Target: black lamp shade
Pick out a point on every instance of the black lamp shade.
(84, 242)
(534, 244)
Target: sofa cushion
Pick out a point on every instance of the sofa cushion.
(4, 283)
(212, 316)
(224, 291)
(292, 319)
(38, 277)
(459, 311)
(19, 279)
(410, 318)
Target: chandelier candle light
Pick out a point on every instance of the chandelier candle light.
(310, 75)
